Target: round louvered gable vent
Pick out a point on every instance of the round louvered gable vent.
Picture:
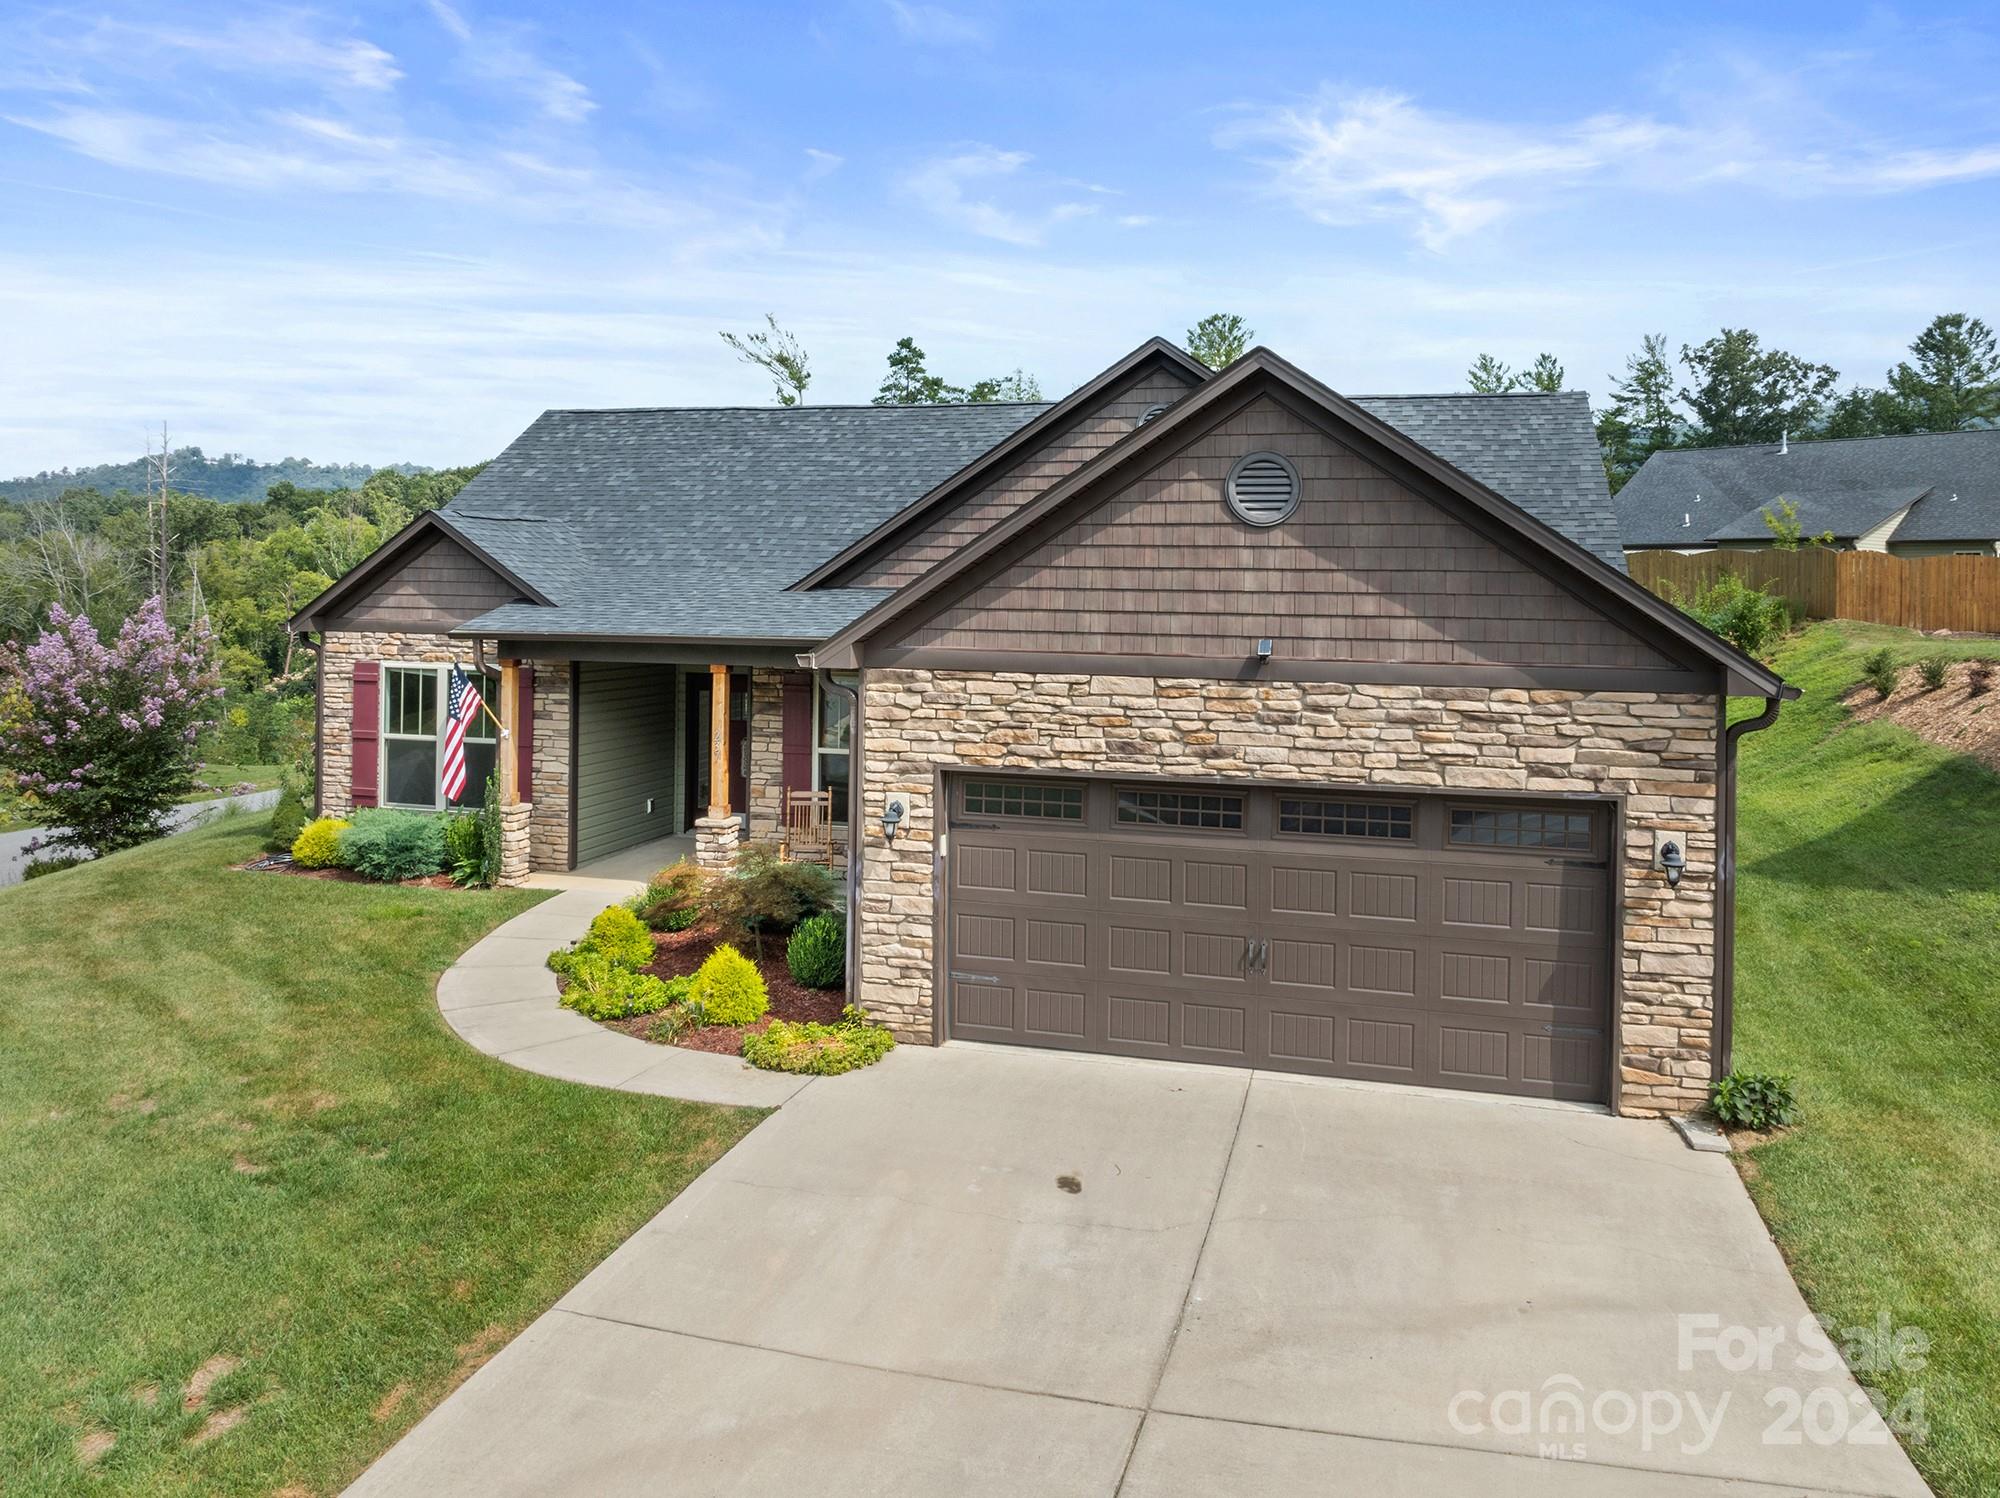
(1263, 488)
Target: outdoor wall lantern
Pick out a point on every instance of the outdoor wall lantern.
(892, 820)
(1674, 862)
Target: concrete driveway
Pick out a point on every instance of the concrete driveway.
(973, 1271)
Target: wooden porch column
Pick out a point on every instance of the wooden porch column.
(718, 741)
(510, 721)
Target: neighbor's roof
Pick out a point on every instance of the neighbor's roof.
(693, 523)
(1847, 513)
(1960, 471)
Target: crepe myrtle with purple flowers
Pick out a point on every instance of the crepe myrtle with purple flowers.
(103, 736)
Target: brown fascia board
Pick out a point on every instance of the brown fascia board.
(391, 551)
(841, 651)
(988, 462)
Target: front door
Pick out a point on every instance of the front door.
(700, 691)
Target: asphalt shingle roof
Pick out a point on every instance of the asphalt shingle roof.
(1847, 513)
(693, 523)
(1960, 471)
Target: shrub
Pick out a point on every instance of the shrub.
(729, 987)
(674, 898)
(41, 866)
(489, 834)
(318, 844)
(817, 952)
(621, 936)
(767, 893)
(1884, 680)
(288, 820)
(465, 848)
(1749, 618)
(819, 1050)
(104, 736)
(1753, 1100)
(1933, 669)
(617, 993)
(392, 845)
(679, 1017)
(1979, 678)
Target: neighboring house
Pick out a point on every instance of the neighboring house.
(1219, 718)
(1933, 494)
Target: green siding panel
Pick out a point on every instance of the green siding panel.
(624, 756)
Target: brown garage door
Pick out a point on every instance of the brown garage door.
(1413, 939)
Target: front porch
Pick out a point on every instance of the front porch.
(635, 760)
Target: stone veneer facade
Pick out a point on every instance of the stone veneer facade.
(548, 769)
(1659, 751)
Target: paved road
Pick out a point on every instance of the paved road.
(13, 845)
(982, 1272)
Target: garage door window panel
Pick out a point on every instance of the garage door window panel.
(1552, 831)
(1313, 817)
(1197, 810)
(1023, 798)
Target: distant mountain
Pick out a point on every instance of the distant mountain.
(231, 477)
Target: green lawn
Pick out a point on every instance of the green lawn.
(233, 1126)
(1868, 966)
(223, 777)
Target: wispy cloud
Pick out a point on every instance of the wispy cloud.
(937, 25)
(280, 43)
(822, 163)
(501, 54)
(1356, 157)
(956, 188)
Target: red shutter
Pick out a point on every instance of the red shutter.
(797, 719)
(365, 731)
(524, 737)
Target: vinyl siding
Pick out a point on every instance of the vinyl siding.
(1064, 452)
(436, 588)
(1365, 570)
(1940, 548)
(625, 754)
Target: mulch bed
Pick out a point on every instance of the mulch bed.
(679, 953)
(281, 863)
(1950, 716)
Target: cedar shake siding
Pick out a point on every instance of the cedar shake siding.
(1062, 455)
(1366, 570)
(437, 587)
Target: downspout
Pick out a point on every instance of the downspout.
(317, 647)
(1720, 1054)
(856, 823)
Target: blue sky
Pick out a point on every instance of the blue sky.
(376, 233)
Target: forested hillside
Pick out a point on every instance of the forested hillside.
(231, 477)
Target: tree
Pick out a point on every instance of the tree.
(779, 355)
(909, 382)
(1742, 392)
(104, 736)
(1545, 374)
(1862, 412)
(1782, 521)
(1219, 339)
(1017, 385)
(1642, 417)
(1955, 380)
(1488, 376)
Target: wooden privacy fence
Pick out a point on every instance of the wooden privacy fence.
(1961, 594)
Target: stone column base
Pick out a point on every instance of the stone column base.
(716, 840)
(514, 844)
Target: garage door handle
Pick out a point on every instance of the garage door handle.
(973, 978)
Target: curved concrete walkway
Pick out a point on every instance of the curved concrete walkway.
(501, 999)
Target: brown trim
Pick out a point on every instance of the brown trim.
(928, 506)
(575, 722)
(857, 821)
(1722, 1042)
(313, 615)
(319, 725)
(1256, 373)
(638, 650)
(1550, 678)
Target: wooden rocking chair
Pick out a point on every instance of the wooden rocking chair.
(808, 827)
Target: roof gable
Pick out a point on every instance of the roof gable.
(429, 575)
(1162, 475)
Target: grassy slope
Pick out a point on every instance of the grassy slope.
(1869, 967)
(232, 1122)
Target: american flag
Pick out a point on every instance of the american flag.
(462, 702)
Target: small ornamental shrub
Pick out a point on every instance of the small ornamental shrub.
(104, 736)
(729, 987)
(1979, 679)
(318, 844)
(673, 900)
(765, 893)
(55, 865)
(393, 845)
(464, 848)
(582, 963)
(288, 819)
(621, 936)
(817, 952)
(616, 993)
(819, 1050)
(1749, 618)
(1932, 670)
(489, 835)
(1753, 1100)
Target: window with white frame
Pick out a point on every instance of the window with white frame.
(413, 740)
(833, 734)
